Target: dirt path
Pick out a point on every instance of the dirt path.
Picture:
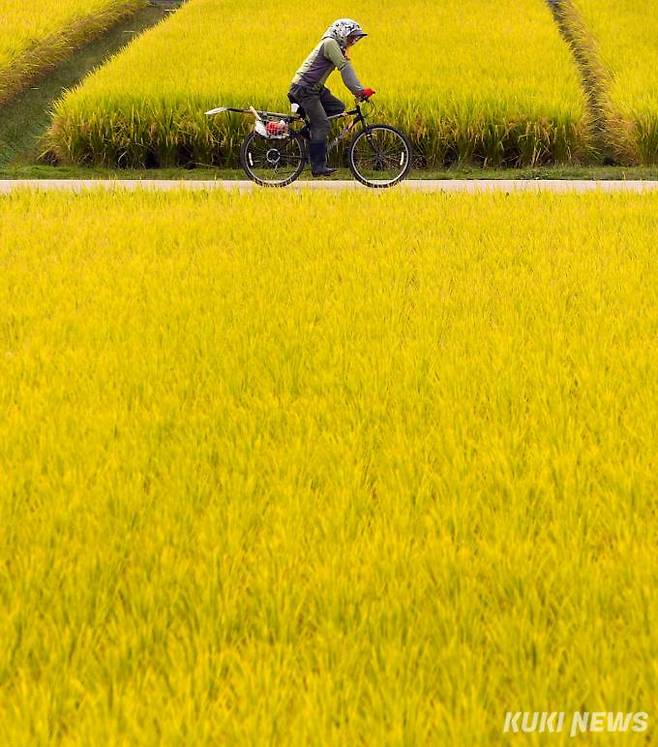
(451, 185)
(26, 117)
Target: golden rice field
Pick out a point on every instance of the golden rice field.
(309, 468)
(485, 81)
(37, 35)
(626, 33)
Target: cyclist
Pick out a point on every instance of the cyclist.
(308, 90)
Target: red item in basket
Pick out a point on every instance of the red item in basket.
(275, 128)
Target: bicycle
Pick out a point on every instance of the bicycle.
(275, 152)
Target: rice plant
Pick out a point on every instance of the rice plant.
(302, 468)
(479, 81)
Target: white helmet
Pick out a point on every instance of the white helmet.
(343, 28)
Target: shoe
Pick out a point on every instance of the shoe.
(318, 153)
(326, 171)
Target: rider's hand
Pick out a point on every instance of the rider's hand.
(366, 93)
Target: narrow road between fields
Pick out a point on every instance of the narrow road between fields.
(418, 185)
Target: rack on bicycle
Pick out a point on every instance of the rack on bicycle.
(263, 114)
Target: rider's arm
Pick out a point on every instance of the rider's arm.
(333, 52)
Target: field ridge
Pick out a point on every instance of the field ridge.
(611, 134)
(26, 116)
(55, 48)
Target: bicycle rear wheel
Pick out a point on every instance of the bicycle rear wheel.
(272, 162)
(380, 156)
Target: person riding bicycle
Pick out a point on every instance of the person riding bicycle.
(308, 91)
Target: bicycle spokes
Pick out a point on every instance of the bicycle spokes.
(273, 160)
(380, 154)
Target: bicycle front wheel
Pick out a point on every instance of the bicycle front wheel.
(272, 162)
(380, 156)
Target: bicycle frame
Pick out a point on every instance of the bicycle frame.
(356, 113)
(358, 118)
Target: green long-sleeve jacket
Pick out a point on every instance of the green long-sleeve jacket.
(323, 60)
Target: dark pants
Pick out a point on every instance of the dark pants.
(318, 108)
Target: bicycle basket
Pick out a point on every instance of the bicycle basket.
(272, 129)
